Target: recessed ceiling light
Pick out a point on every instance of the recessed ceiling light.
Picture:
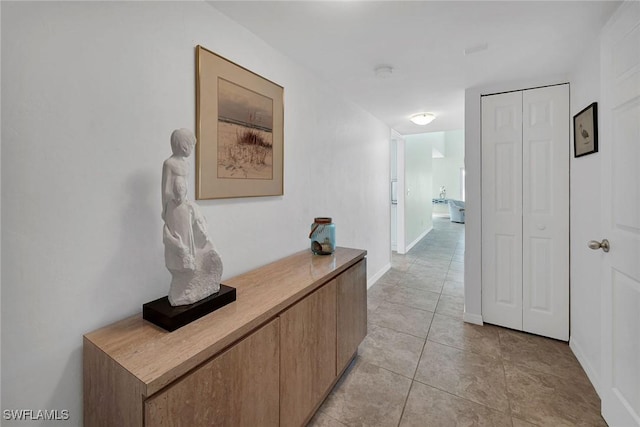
(422, 118)
(383, 71)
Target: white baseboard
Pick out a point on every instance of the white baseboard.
(476, 319)
(415, 242)
(593, 375)
(373, 279)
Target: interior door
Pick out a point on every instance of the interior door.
(620, 150)
(545, 211)
(502, 209)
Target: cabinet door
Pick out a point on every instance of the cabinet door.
(307, 354)
(237, 388)
(352, 312)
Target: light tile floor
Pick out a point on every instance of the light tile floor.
(421, 365)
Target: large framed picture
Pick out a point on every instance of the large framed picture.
(240, 121)
(585, 131)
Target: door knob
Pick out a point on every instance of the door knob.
(595, 245)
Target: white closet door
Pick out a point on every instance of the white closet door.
(502, 209)
(545, 211)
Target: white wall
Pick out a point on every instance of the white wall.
(418, 183)
(438, 147)
(90, 94)
(446, 170)
(586, 225)
(400, 145)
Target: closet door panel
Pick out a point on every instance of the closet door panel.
(545, 212)
(502, 209)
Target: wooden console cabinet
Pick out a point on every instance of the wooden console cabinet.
(268, 359)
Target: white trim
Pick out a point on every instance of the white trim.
(586, 364)
(476, 319)
(400, 191)
(420, 237)
(463, 173)
(373, 279)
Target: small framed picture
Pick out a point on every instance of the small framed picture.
(585, 131)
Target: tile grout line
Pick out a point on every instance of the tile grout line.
(466, 399)
(466, 350)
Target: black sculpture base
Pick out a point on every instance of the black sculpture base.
(160, 312)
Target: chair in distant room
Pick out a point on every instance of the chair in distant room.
(456, 211)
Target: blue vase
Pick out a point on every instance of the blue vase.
(323, 236)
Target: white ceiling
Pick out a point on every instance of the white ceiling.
(424, 41)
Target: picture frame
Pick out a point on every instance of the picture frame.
(240, 131)
(585, 131)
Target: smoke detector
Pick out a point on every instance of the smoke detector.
(383, 71)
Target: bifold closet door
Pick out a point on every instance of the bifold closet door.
(502, 209)
(525, 210)
(545, 211)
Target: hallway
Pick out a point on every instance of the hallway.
(421, 365)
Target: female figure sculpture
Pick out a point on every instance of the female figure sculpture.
(194, 264)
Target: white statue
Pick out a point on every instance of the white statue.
(195, 266)
(443, 192)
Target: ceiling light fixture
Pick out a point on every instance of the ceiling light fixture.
(422, 118)
(383, 71)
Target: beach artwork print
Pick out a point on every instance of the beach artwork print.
(239, 129)
(245, 133)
